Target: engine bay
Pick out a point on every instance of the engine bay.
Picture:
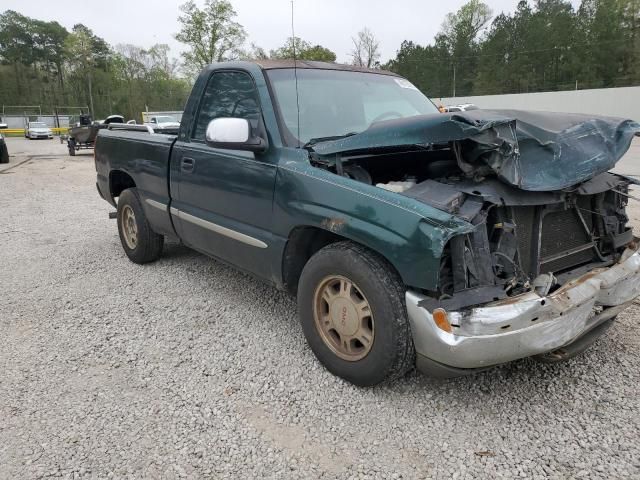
(523, 240)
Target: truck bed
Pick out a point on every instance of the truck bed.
(136, 153)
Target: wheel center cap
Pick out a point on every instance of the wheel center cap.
(344, 317)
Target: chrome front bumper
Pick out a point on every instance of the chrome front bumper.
(528, 324)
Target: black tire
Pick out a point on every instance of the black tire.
(148, 245)
(4, 153)
(392, 353)
(72, 148)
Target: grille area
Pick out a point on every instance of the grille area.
(520, 242)
(562, 232)
(567, 262)
(524, 218)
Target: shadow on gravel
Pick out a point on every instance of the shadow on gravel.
(176, 250)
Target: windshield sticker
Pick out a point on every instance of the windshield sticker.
(405, 83)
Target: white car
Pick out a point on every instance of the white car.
(164, 121)
(461, 108)
(37, 130)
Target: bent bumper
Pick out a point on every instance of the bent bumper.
(528, 324)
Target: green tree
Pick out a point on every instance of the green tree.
(41, 63)
(503, 62)
(161, 62)
(609, 30)
(211, 34)
(459, 32)
(86, 55)
(17, 44)
(318, 53)
(537, 48)
(303, 50)
(50, 39)
(448, 66)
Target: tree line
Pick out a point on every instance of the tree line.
(543, 45)
(41, 63)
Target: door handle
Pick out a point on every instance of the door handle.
(187, 164)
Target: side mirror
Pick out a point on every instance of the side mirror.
(234, 134)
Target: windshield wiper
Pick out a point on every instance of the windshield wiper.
(314, 141)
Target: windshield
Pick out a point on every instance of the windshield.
(38, 125)
(335, 103)
(166, 119)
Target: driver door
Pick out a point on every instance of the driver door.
(222, 199)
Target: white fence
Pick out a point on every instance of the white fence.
(615, 102)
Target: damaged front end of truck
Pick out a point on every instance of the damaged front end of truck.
(549, 218)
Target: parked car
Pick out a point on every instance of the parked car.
(37, 130)
(504, 236)
(465, 107)
(4, 152)
(164, 123)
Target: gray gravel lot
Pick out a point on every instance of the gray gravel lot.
(187, 368)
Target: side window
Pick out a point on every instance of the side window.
(228, 94)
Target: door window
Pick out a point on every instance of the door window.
(228, 94)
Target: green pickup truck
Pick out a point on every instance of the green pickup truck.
(451, 242)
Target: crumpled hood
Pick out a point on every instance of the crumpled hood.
(537, 151)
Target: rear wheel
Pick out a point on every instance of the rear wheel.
(353, 314)
(72, 148)
(140, 243)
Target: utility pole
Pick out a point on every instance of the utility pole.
(90, 95)
(454, 80)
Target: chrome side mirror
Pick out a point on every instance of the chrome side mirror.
(234, 134)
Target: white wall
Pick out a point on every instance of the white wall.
(615, 102)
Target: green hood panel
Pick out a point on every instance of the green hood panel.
(536, 151)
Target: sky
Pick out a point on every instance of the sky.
(331, 23)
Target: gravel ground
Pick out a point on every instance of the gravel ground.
(187, 368)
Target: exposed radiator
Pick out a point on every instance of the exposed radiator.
(564, 242)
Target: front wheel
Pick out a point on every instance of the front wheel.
(353, 314)
(140, 243)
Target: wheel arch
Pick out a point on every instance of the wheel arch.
(306, 240)
(119, 181)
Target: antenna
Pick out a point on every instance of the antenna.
(295, 70)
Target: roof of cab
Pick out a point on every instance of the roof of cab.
(308, 64)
